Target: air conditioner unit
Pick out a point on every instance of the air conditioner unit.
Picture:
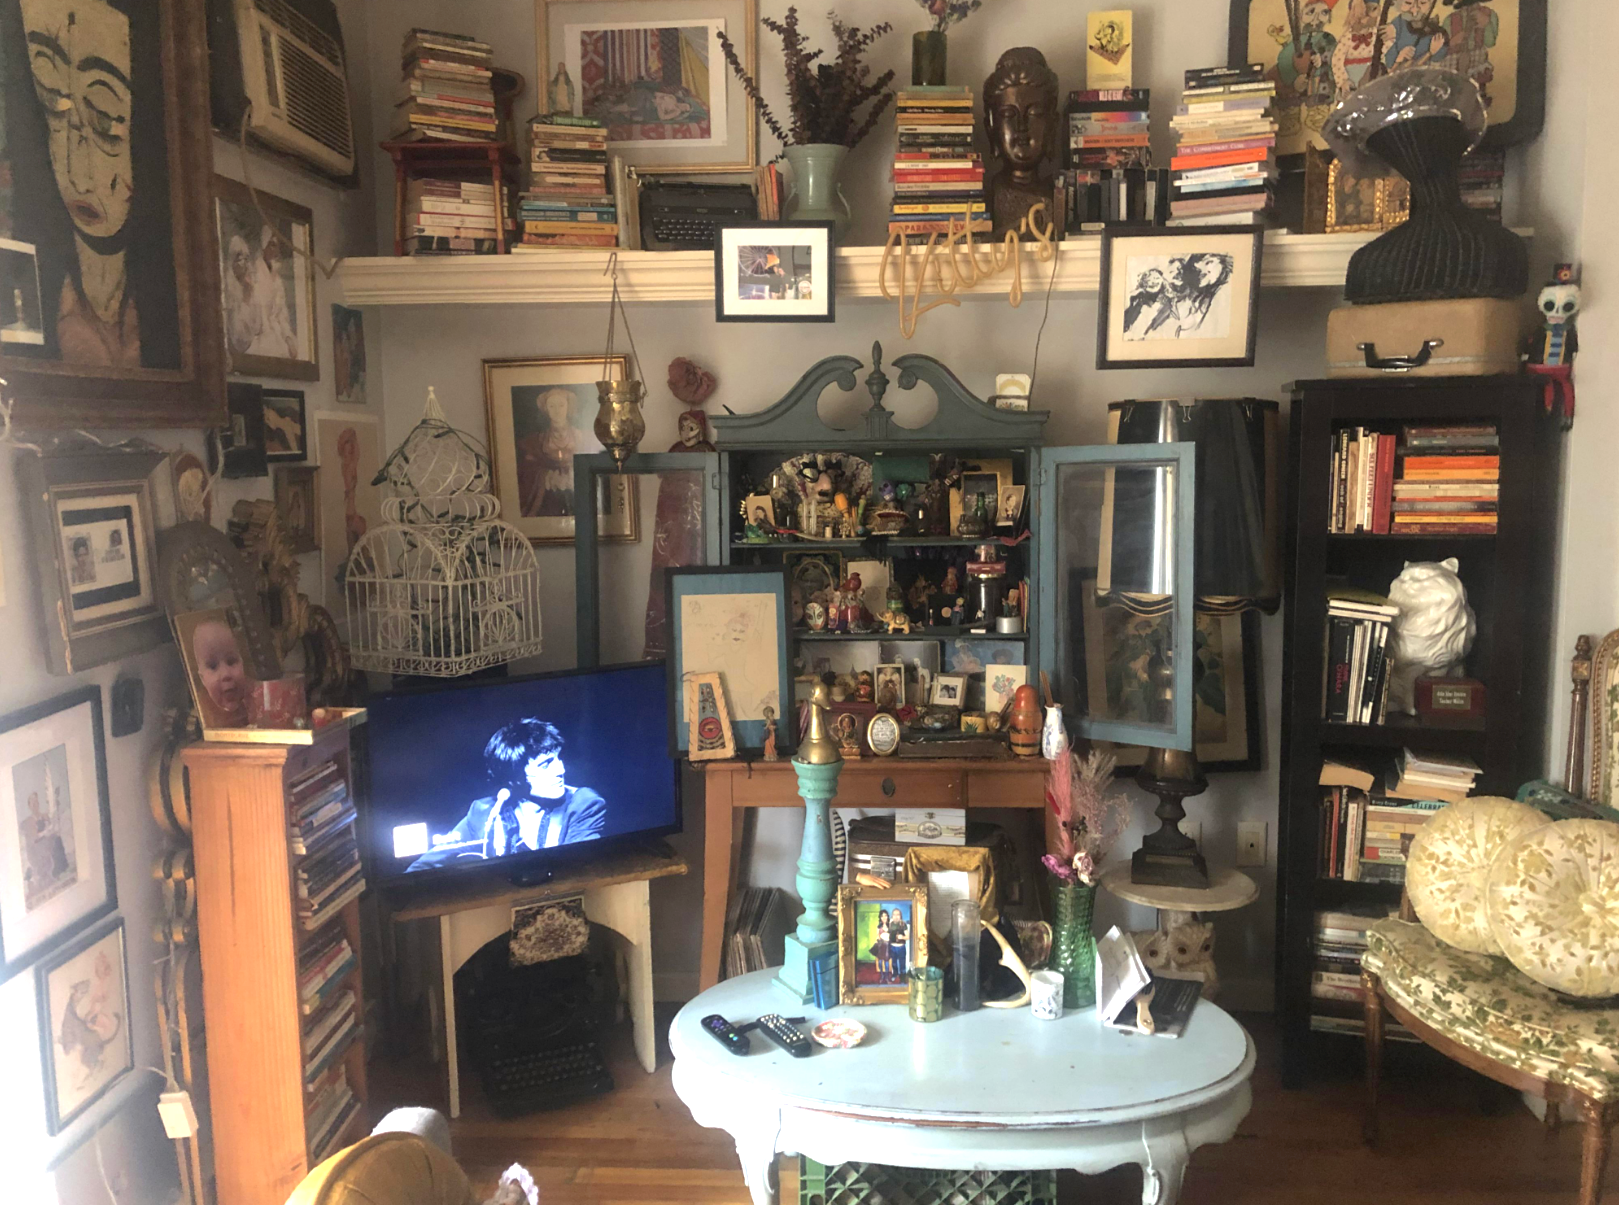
(281, 63)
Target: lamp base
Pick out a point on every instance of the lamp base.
(795, 976)
(1168, 857)
(1180, 869)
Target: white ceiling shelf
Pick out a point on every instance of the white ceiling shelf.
(575, 276)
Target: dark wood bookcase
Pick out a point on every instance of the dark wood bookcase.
(1509, 580)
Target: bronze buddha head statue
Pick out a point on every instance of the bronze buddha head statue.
(1022, 111)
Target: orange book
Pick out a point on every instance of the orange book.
(1452, 474)
(1258, 154)
(1452, 462)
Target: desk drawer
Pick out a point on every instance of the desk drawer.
(863, 784)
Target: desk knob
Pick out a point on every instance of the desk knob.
(888, 788)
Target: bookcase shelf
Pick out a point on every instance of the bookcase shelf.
(1509, 577)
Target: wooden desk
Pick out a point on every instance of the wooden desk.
(872, 782)
(476, 910)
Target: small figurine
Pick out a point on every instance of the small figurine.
(952, 584)
(921, 588)
(864, 691)
(854, 605)
(770, 734)
(895, 617)
(815, 616)
(1551, 352)
(840, 688)
(887, 493)
(1024, 116)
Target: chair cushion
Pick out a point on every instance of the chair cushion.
(1483, 1003)
(1449, 860)
(1553, 903)
(386, 1169)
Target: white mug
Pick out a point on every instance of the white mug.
(1045, 995)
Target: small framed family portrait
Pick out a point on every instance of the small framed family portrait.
(85, 1046)
(1181, 297)
(949, 690)
(882, 937)
(286, 433)
(775, 272)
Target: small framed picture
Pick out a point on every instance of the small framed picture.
(889, 681)
(211, 645)
(1000, 684)
(1179, 297)
(348, 353)
(759, 511)
(85, 1046)
(1010, 508)
(775, 272)
(949, 690)
(708, 719)
(981, 485)
(265, 246)
(299, 507)
(286, 435)
(882, 937)
(241, 439)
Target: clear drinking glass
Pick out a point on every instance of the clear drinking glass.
(965, 936)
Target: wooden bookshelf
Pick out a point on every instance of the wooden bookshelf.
(252, 934)
(1509, 577)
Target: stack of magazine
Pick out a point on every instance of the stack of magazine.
(321, 833)
(756, 930)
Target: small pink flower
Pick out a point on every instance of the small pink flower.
(936, 7)
(1057, 867)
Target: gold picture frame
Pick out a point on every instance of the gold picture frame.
(263, 338)
(652, 155)
(1377, 203)
(860, 914)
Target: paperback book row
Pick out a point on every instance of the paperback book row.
(1368, 821)
(1224, 169)
(1337, 996)
(329, 1004)
(454, 217)
(1356, 682)
(938, 176)
(571, 199)
(327, 873)
(448, 89)
(1434, 480)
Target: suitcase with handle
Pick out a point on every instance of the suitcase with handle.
(1473, 336)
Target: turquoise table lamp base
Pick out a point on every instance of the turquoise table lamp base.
(794, 978)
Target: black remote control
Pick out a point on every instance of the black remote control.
(726, 1034)
(784, 1035)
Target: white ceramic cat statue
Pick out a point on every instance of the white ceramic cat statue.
(1433, 632)
(1183, 946)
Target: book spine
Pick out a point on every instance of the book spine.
(1340, 643)
(1385, 484)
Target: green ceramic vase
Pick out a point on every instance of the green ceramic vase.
(1073, 945)
(928, 56)
(813, 191)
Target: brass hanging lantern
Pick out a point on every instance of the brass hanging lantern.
(619, 422)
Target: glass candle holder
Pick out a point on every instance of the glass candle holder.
(965, 933)
(926, 993)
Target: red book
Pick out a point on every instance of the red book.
(967, 176)
(1383, 497)
(1219, 159)
(1234, 144)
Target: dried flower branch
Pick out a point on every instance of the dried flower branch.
(1090, 814)
(946, 13)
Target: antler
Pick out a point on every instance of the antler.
(1011, 962)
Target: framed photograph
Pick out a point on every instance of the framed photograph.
(348, 354)
(775, 272)
(541, 415)
(1500, 45)
(981, 485)
(949, 690)
(85, 1046)
(653, 73)
(110, 256)
(731, 620)
(211, 644)
(92, 515)
(1010, 509)
(759, 510)
(269, 282)
(889, 684)
(299, 507)
(241, 439)
(348, 503)
(709, 735)
(882, 936)
(1179, 297)
(56, 865)
(285, 435)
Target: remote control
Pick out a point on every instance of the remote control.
(726, 1034)
(784, 1035)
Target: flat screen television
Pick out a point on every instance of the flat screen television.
(520, 772)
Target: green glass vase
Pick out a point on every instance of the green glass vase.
(1073, 945)
(928, 51)
(814, 192)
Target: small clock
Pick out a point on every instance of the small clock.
(882, 734)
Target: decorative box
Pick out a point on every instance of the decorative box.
(1445, 698)
(931, 826)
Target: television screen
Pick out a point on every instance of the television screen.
(520, 769)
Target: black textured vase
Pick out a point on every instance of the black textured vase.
(1444, 249)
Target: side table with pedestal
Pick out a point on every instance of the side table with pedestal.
(1228, 889)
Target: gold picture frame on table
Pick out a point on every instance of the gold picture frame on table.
(661, 118)
(541, 413)
(871, 970)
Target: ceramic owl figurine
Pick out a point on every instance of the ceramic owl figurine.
(1185, 946)
(1433, 633)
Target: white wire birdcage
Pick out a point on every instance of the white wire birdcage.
(444, 587)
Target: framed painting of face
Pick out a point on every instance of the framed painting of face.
(109, 281)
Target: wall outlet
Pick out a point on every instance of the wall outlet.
(1251, 843)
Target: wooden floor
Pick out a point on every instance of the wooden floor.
(1448, 1136)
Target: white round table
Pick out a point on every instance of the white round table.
(992, 1089)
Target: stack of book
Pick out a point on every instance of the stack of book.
(1429, 777)
(756, 930)
(1336, 995)
(1225, 160)
(1449, 480)
(452, 217)
(1364, 836)
(1357, 665)
(938, 176)
(330, 1106)
(569, 202)
(326, 1037)
(323, 963)
(327, 874)
(1108, 160)
(1362, 481)
(449, 94)
(1483, 176)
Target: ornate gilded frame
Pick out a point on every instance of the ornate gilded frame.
(850, 894)
(1604, 721)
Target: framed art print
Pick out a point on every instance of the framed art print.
(286, 435)
(1179, 297)
(95, 548)
(299, 507)
(775, 272)
(731, 621)
(56, 865)
(84, 1039)
(348, 354)
(882, 936)
(269, 282)
(653, 73)
(109, 283)
(348, 501)
(541, 415)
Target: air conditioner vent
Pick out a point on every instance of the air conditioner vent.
(317, 100)
(303, 29)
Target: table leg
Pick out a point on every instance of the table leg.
(756, 1150)
(1165, 1167)
(716, 873)
(452, 1056)
(626, 908)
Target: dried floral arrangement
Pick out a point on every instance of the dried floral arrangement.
(946, 13)
(1090, 814)
(823, 98)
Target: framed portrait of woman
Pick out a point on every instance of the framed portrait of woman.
(109, 276)
(541, 415)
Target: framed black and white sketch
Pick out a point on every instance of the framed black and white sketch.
(775, 272)
(265, 245)
(84, 1042)
(286, 433)
(95, 545)
(1179, 297)
(56, 870)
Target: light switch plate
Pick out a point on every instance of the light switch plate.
(1251, 843)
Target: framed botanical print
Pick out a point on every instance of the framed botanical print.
(109, 281)
(95, 545)
(85, 1046)
(269, 282)
(1182, 297)
(882, 937)
(653, 73)
(541, 415)
(56, 865)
